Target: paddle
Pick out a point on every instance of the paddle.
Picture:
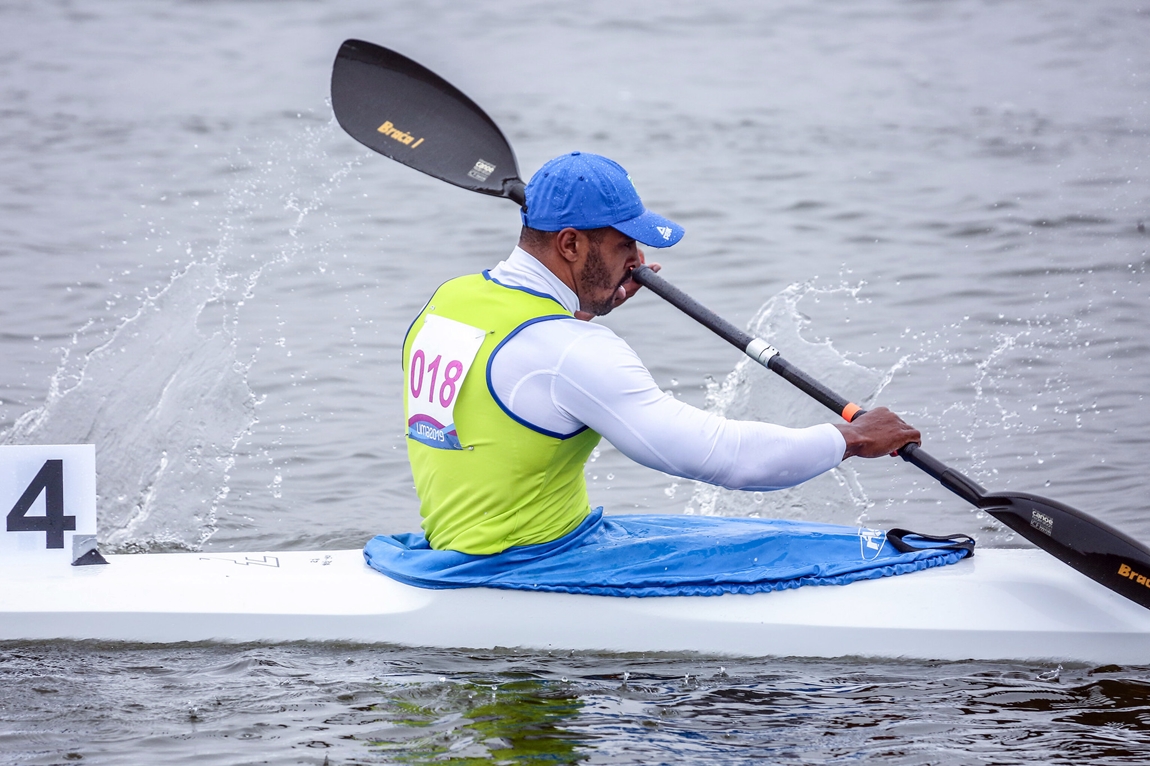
(404, 111)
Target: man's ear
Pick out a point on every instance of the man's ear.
(567, 244)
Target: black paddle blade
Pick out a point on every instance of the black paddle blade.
(403, 110)
(1094, 548)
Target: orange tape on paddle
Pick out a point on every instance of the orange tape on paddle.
(850, 411)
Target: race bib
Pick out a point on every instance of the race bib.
(441, 356)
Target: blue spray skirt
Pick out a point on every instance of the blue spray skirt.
(648, 555)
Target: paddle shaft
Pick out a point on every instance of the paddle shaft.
(769, 357)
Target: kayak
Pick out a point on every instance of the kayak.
(1001, 604)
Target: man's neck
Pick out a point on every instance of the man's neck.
(552, 262)
(522, 269)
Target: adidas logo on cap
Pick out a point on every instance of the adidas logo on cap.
(665, 231)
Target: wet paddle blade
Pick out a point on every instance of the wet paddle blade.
(1094, 548)
(404, 111)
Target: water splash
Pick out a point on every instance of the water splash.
(1002, 384)
(165, 397)
(752, 393)
(164, 404)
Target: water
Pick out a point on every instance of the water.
(204, 704)
(352, 705)
(940, 207)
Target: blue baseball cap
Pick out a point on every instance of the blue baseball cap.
(586, 191)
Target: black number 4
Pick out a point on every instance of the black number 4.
(50, 481)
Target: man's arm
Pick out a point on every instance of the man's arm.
(562, 375)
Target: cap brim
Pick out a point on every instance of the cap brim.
(651, 229)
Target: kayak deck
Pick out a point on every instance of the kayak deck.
(1000, 604)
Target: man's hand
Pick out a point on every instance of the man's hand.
(628, 288)
(879, 432)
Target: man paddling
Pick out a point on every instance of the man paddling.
(508, 392)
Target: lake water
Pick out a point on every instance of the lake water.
(936, 206)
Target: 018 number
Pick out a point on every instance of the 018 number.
(421, 370)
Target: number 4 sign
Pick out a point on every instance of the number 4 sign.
(48, 494)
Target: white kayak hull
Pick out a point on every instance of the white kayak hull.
(999, 605)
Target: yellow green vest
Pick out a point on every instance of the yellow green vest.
(507, 483)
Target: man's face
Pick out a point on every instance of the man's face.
(608, 257)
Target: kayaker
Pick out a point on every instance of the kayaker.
(508, 392)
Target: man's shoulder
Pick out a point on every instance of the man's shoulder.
(569, 327)
(488, 290)
(465, 280)
(565, 338)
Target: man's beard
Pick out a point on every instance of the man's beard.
(595, 277)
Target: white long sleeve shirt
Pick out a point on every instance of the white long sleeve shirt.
(561, 375)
